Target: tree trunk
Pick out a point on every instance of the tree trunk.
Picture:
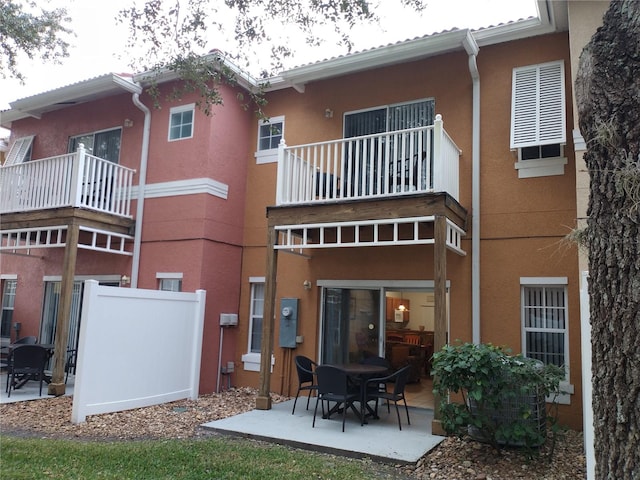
(608, 99)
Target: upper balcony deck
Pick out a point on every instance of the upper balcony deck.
(77, 180)
(377, 166)
(381, 189)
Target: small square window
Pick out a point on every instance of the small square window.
(270, 136)
(181, 122)
(170, 284)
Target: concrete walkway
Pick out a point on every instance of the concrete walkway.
(380, 440)
(29, 391)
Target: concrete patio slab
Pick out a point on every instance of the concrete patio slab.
(29, 391)
(380, 440)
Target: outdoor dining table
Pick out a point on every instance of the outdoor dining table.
(362, 372)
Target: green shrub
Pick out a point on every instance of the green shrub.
(503, 395)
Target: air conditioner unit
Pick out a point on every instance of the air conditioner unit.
(227, 319)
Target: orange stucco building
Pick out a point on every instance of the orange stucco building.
(422, 189)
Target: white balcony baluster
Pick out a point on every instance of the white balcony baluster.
(72, 180)
(421, 159)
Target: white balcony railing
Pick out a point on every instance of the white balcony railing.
(422, 159)
(72, 180)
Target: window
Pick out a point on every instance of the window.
(181, 122)
(252, 358)
(169, 282)
(103, 144)
(538, 119)
(541, 151)
(545, 322)
(270, 133)
(20, 151)
(170, 285)
(255, 317)
(8, 301)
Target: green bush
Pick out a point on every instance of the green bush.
(503, 395)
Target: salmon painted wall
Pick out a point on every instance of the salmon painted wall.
(200, 235)
(52, 134)
(523, 221)
(54, 128)
(197, 235)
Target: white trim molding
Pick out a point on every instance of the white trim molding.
(252, 362)
(579, 143)
(544, 281)
(540, 167)
(192, 186)
(171, 275)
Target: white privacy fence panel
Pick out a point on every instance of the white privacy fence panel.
(137, 348)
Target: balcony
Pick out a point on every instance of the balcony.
(77, 180)
(378, 166)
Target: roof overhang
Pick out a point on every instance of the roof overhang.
(551, 17)
(242, 78)
(401, 52)
(63, 97)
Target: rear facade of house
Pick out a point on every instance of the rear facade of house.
(398, 199)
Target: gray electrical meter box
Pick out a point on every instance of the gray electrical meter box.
(288, 322)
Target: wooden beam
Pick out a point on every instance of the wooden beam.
(263, 400)
(440, 291)
(57, 386)
(66, 216)
(412, 205)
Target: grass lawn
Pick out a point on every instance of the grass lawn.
(211, 458)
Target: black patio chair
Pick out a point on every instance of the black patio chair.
(399, 378)
(70, 363)
(27, 363)
(306, 378)
(381, 386)
(334, 386)
(6, 354)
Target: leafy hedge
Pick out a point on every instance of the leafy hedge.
(503, 395)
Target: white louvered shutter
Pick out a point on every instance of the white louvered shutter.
(19, 150)
(538, 105)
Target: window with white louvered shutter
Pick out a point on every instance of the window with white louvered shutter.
(538, 105)
(20, 151)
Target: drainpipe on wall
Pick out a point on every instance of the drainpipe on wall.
(144, 156)
(472, 49)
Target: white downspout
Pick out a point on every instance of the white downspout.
(144, 157)
(472, 50)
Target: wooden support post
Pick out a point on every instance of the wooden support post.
(440, 290)
(57, 386)
(263, 400)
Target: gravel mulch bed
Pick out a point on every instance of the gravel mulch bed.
(455, 458)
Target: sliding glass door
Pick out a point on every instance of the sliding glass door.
(50, 312)
(351, 326)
